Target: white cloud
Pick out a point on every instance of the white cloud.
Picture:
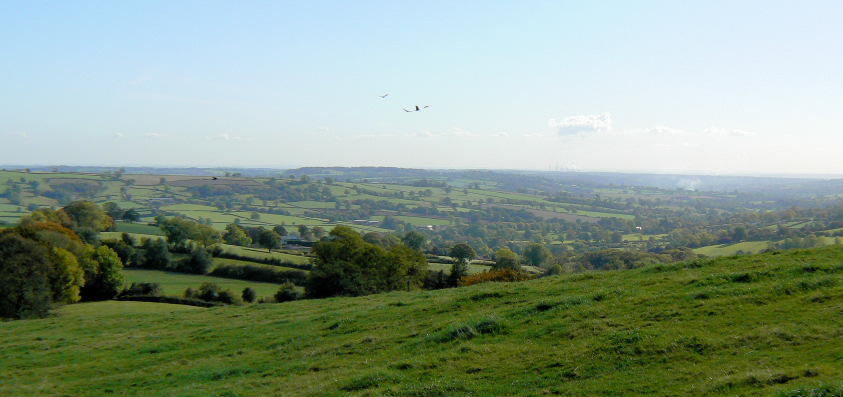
(366, 136)
(723, 132)
(22, 134)
(422, 134)
(224, 137)
(154, 135)
(665, 131)
(456, 131)
(573, 125)
(119, 135)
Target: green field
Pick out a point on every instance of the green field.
(264, 254)
(732, 249)
(177, 283)
(750, 325)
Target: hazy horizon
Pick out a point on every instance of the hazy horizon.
(722, 88)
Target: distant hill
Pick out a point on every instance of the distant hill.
(750, 325)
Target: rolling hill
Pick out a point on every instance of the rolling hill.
(748, 325)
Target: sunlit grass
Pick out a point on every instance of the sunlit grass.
(749, 325)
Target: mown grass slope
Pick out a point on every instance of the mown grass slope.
(749, 325)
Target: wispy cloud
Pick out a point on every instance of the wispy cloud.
(724, 132)
(422, 134)
(22, 134)
(366, 136)
(456, 131)
(536, 135)
(224, 137)
(502, 135)
(154, 135)
(660, 130)
(573, 125)
(119, 135)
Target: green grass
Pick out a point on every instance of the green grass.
(177, 283)
(259, 253)
(446, 267)
(750, 325)
(90, 310)
(732, 249)
(139, 228)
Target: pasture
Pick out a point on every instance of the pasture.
(750, 325)
(177, 283)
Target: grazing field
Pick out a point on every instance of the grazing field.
(177, 283)
(751, 325)
(732, 249)
(264, 254)
(446, 267)
(92, 310)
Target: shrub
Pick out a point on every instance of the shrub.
(256, 273)
(286, 293)
(143, 288)
(249, 295)
(502, 275)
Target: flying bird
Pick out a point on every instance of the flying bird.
(383, 96)
(214, 178)
(416, 109)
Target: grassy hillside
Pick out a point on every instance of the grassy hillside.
(749, 325)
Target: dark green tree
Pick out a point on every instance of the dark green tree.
(177, 229)
(85, 214)
(347, 265)
(414, 240)
(462, 252)
(24, 278)
(157, 256)
(249, 295)
(236, 235)
(536, 254)
(103, 274)
(506, 259)
(269, 240)
(131, 215)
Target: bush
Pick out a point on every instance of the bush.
(286, 293)
(24, 278)
(197, 263)
(256, 273)
(502, 275)
(249, 295)
(211, 292)
(157, 256)
(142, 289)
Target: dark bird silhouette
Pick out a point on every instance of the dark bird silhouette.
(383, 96)
(417, 108)
(214, 178)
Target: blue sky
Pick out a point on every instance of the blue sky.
(690, 87)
